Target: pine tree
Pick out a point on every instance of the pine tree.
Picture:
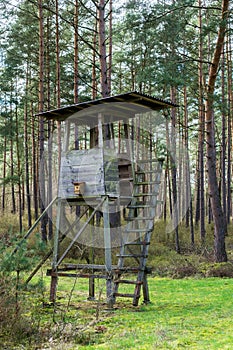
(218, 215)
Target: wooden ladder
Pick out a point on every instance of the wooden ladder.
(137, 234)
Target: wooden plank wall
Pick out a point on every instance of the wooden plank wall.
(99, 172)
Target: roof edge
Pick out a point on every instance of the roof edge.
(127, 97)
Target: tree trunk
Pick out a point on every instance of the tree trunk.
(229, 130)
(223, 153)
(189, 215)
(26, 140)
(201, 188)
(34, 166)
(12, 174)
(4, 174)
(20, 208)
(76, 86)
(167, 170)
(58, 83)
(76, 51)
(197, 191)
(41, 122)
(102, 50)
(94, 82)
(174, 173)
(218, 215)
(110, 48)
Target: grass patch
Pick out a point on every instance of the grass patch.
(186, 310)
(183, 313)
(188, 313)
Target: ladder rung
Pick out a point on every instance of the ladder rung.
(141, 206)
(140, 218)
(131, 256)
(84, 267)
(147, 183)
(135, 230)
(126, 295)
(126, 269)
(138, 243)
(121, 270)
(129, 282)
(75, 275)
(144, 194)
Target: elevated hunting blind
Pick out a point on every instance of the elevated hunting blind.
(110, 172)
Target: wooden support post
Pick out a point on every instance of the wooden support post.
(91, 288)
(92, 279)
(108, 252)
(54, 279)
(100, 131)
(129, 146)
(145, 288)
(67, 136)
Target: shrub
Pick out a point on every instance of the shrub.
(15, 324)
(217, 270)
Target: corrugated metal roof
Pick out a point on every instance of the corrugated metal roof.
(122, 106)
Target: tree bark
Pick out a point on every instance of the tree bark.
(174, 173)
(223, 153)
(229, 130)
(34, 165)
(58, 82)
(49, 216)
(20, 207)
(201, 188)
(12, 173)
(41, 122)
(110, 48)
(188, 199)
(26, 150)
(218, 215)
(94, 82)
(102, 50)
(76, 51)
(4, 173)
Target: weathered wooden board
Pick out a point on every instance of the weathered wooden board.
(98, 169)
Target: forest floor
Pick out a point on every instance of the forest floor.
(191, 305)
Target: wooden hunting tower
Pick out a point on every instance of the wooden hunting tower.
(109, 176)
